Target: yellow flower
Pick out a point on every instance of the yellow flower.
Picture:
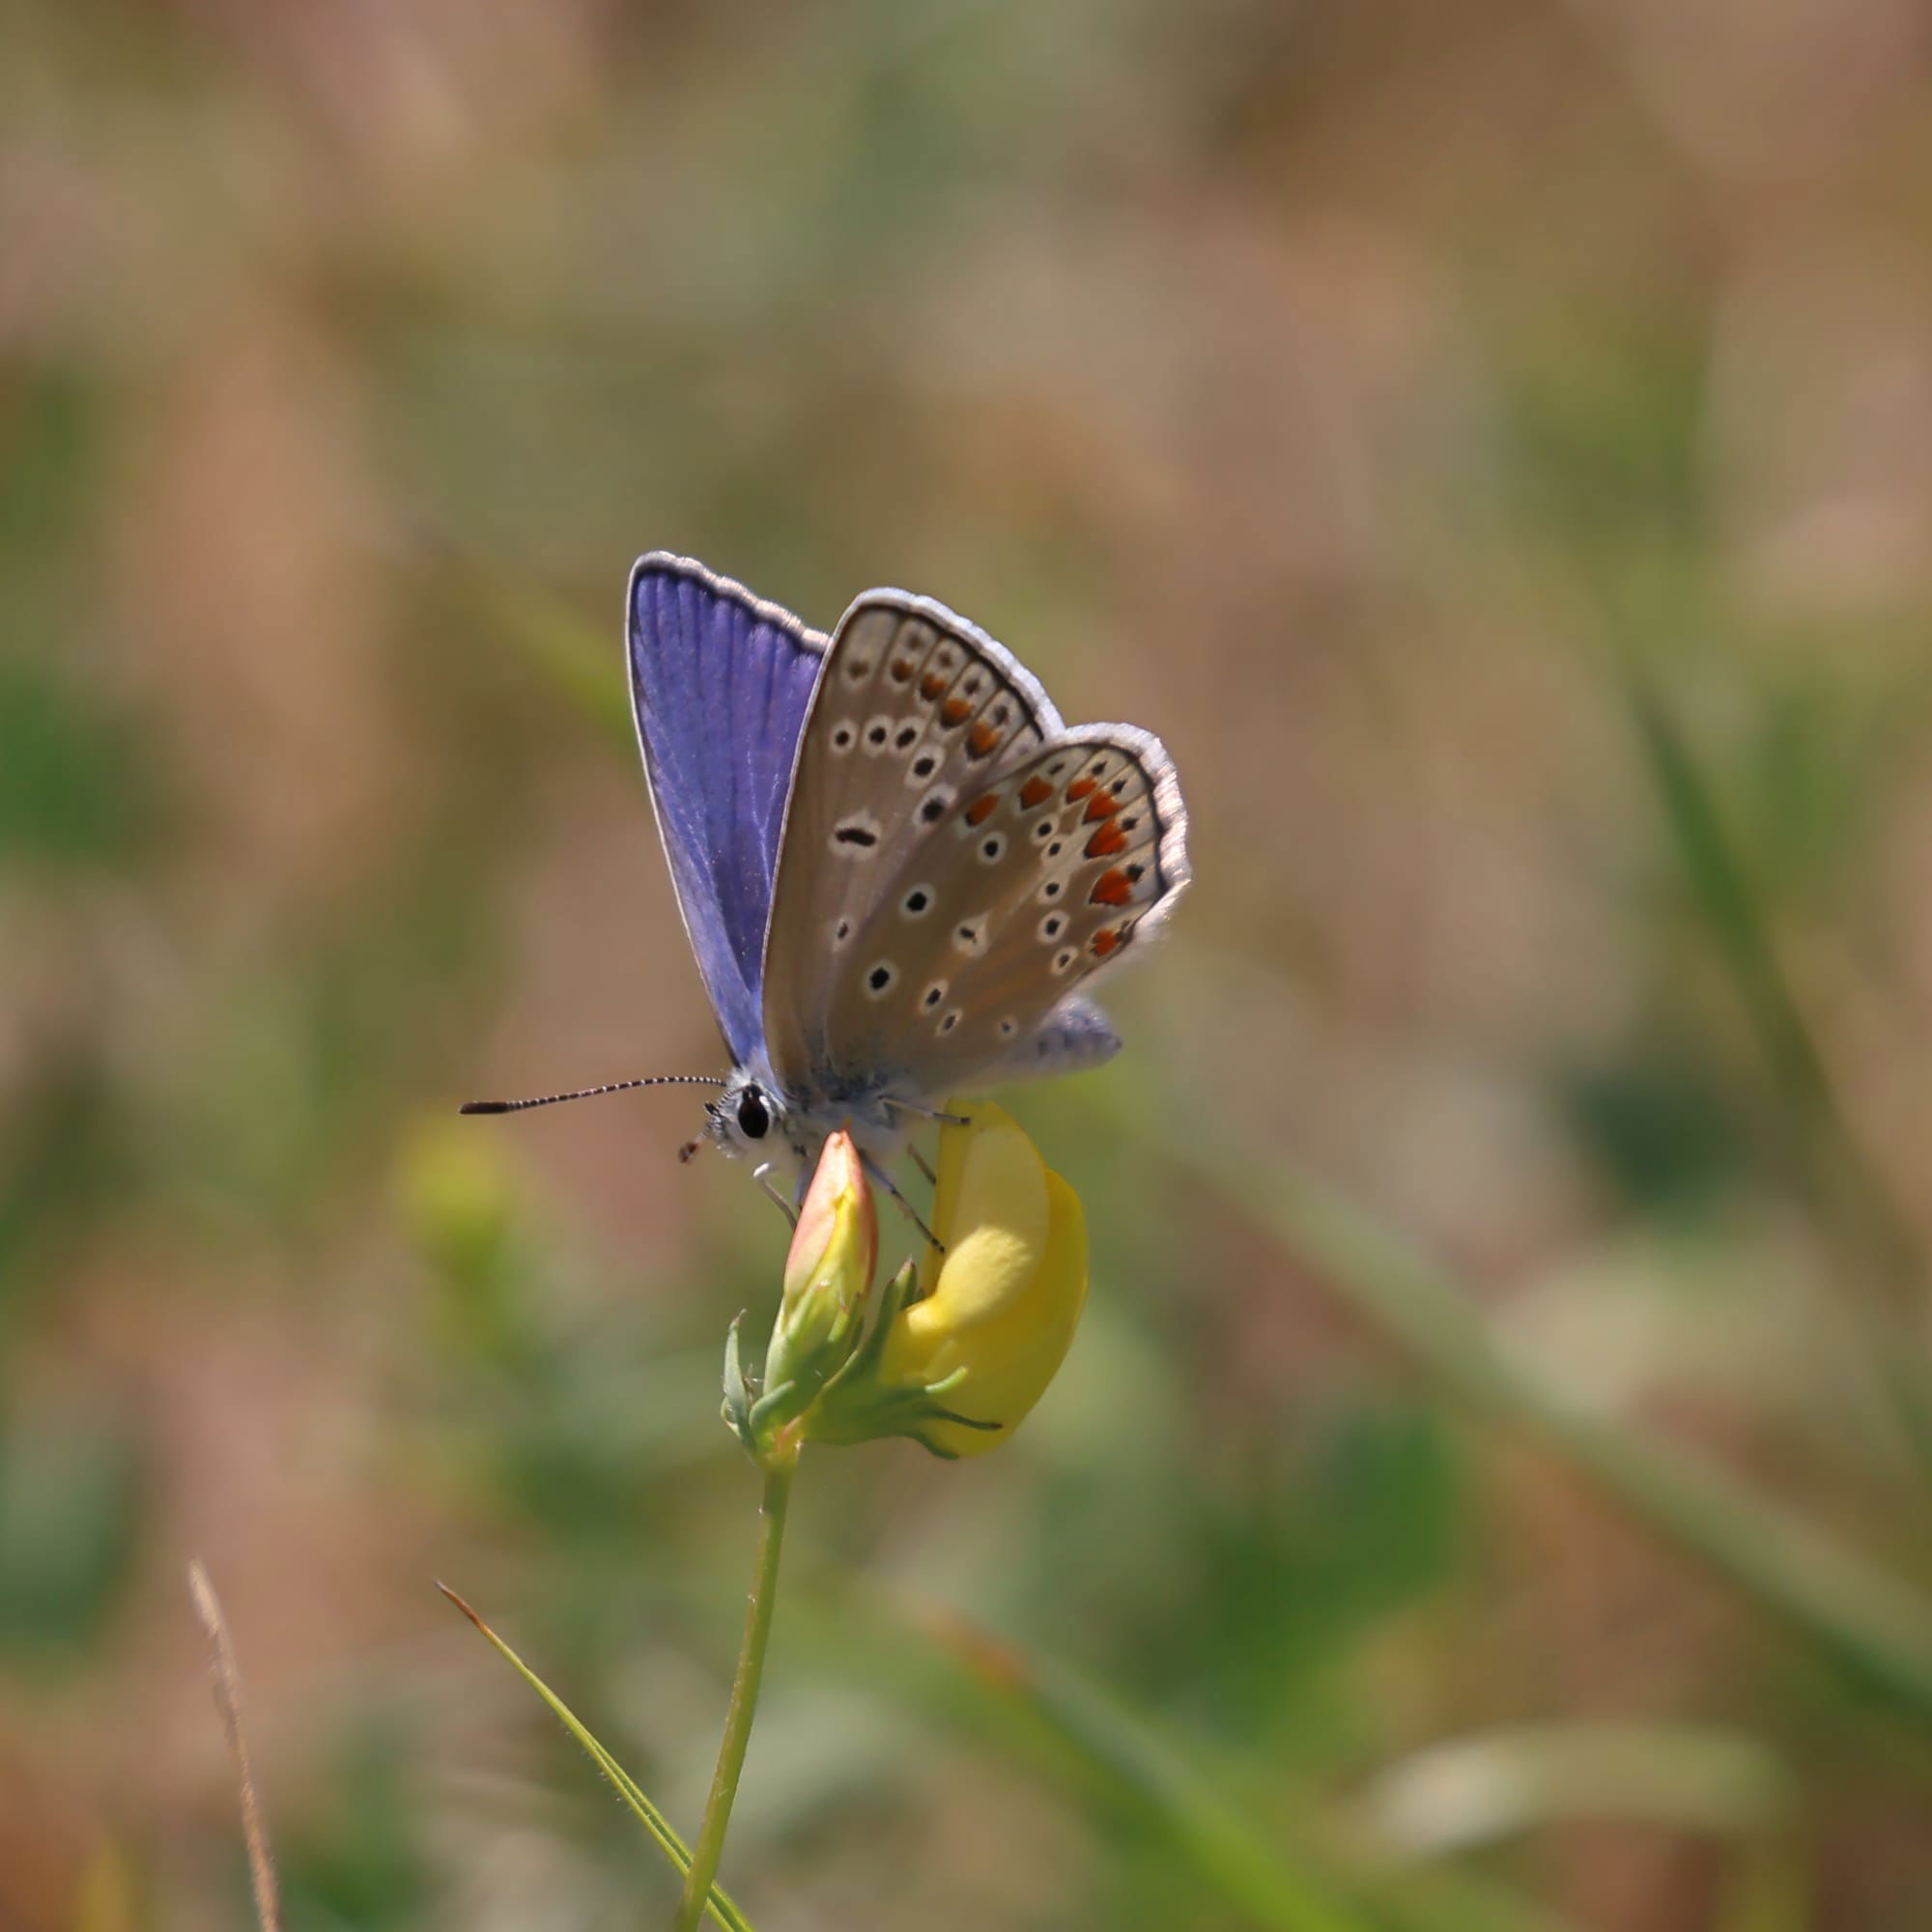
(959, 1368)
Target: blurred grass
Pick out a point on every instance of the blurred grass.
(1286, 1870)
(71, 1506)
(1529, 1113)
(1782, 1561)
(1737, 925)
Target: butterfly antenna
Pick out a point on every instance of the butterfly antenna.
(590, 1092)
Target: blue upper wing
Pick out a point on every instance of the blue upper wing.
(719, 685)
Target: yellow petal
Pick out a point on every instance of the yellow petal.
(1004, 1363)
(990, 1210)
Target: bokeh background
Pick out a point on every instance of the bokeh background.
(1491, 444)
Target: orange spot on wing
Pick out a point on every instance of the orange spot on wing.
(955, 710)
(1112, 887)
(1102, 804)
(932, 684)
(1078, 789)
(1036, 791)
(981, 739)
(902, 668)
(1106, 842)
(982, 809)
(1104, 943)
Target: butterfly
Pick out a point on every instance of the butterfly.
(899, 870)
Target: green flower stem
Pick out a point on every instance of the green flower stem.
(779, 1466)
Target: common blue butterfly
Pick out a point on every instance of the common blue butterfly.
(899, 870)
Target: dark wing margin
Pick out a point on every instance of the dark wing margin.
(719, 685)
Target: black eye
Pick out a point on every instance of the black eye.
(754, 1117)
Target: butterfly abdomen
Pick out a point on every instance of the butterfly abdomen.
(1075, 1036)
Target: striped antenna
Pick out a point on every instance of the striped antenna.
(590, 1092)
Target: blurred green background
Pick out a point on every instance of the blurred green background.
(1491, 445)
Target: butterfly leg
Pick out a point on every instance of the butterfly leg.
(919, 1161)
(926, 1112)
(761, 1174)
(882, 1178)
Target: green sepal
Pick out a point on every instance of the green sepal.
(772, 1411)
(814, 1341)
(737, 1394)
(902, 1292)
(864, 1413)
(857, 1407)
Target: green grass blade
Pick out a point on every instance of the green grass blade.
(1242, 1865)
(1729, 901)
(1832, 1593)
(1886, 1290)
(723, 1911)
(1293, 1873)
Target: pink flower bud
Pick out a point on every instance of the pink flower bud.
(828, 1275)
